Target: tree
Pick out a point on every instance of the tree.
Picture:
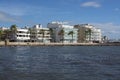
(1, 33)
(30, 32)
(33, 34)
(42, 31)
(13, 28)
(61, 33)
(105, 39)
(6, 34)
(51, 33)
(88, 33)
(13, 31)
(71, 33)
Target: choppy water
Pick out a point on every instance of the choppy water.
(60, 63)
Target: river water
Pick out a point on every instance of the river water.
(60, 63)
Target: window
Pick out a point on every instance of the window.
(20, 35)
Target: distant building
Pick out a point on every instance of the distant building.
(4, 28)
(88, 33)
(22, 35)
(56, 32)
(34, 34)
(61, 30)
(40, 34)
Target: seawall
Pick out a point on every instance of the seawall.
(55, 44)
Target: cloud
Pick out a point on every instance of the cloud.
(91, 4)
(4, 17)
(16, 11)
(15, 8)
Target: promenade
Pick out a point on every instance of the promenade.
(55, 44)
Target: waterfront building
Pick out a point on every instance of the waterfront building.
(4, 28)
(21, 35)
(33, 34)
(63, 32)
(40, 34)
(88, 33)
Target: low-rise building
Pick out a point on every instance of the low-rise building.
(61, 32)
(88, 33)
(21, 35)
(34, 34)
(40, 34)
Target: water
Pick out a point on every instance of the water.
(60, 63)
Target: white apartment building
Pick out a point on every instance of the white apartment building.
(40, 34)
(34, 34)
(95, 35)
(57, 27)
(21, 35)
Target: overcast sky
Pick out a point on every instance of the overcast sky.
(104, 14)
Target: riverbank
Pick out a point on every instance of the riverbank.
(56, 44)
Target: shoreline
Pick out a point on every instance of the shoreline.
(56, 44)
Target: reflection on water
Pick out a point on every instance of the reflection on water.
(60, 63)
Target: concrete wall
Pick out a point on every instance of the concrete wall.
(2, 43)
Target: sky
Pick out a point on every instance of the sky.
(103, 14)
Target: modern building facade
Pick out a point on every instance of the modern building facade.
(88, 33)
(34, 34)
(61, 32)
(21, 35)
(40, 34)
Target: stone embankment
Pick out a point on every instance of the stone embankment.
(55, 44)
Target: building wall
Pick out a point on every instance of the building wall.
(34, 35)
(68, 38)
(83, 36)
(37, 35)
(46, 37)
(96, 35)
(57, 27)
(21, 35)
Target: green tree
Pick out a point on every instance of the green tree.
(30, 32)
(105, 39)
(71, 33)
(13, 28)
(88, 33)
(42, 31)
(51, 34)
(6, 34)
(34, 35)
(13, 31)
(1, 34)
(61, 33)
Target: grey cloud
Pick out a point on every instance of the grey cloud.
(4, 17)
(91, 4)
